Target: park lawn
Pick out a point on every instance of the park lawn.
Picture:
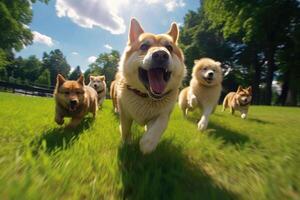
(257, 158)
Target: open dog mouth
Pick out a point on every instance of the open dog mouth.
(72, 107)
(208, 79)
(155, 80)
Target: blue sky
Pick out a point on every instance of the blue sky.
(83, 29)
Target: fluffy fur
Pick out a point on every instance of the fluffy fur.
(98, 83)
(148, 103)
(239, 100)
(204, 90)
(73, 99)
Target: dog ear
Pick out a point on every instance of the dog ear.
(174, 32)
(135, 31)
(250, 90)
(91, 78)
(80, 80)
(60, 80)
(102, 78)
(240, 88)
(196, 61)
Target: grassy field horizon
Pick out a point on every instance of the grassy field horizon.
(256, 158)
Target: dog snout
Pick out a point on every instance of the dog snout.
(95, 85)
(210, 74)
(160, 57)
(73, 102)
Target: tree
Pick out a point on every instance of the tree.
(56, 63)
(44, 78)
(75, 73)
(106, 64)
(14, 35)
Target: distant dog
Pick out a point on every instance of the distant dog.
(98, 83)
(204, 90)
(150, 73)
(239, 100)
(73, 99)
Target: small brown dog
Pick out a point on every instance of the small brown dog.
(73, 99)
(239, 100)
(98, 83)
(204, 90)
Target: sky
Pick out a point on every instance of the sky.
(82, 29)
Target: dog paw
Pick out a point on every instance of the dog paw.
(202, 125)
(147, 145)
(60, 121)
(243, 116)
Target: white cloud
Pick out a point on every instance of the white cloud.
(90, 13)
(74, 53)
(44, 39)
(107, 46)
(91, 59)
(170, 5)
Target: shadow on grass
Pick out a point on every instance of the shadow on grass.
(165, 174)
(227, 135)
(60, 138)
(260, 121)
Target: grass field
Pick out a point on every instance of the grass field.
(257, 158)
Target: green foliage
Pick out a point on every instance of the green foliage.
(56, 63)
(256, 158)
(75, 73)
(106, 64)
(44, 78)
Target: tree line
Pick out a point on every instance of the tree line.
(259, 39)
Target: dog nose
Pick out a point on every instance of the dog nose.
(210, 74)
(95, 85)
(160, 57)
(73, 102)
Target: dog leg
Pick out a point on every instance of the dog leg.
(125, 126)
(101, 101)
(192, 100)
(59, 119)
(75, 121)
(231, 110)
(151, 138)
(202, 124)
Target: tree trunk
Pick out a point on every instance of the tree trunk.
(270, 75)
(291, 97)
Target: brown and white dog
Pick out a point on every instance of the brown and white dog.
(150, 73)
(73, 99)
(98, 83)
(204, 90)
(239, 100)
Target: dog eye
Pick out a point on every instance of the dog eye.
(169, 47)
(205, 68)
(144, 47)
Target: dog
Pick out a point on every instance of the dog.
(98, 83)
(204, 90)
(149, 76)
(239, 100)
(113, 93)
(73, 99)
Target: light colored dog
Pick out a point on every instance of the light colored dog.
(98, 83)
(239, 100)
(150, 73)
(204, 90)
(73, 99)
(113, 92)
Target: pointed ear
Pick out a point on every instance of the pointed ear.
(91, 78)
(250, 90)
(135, 31)
(80, 80)
(60, 80)
(174, 32)
(102, 78)
(239, 88)
(196, 61)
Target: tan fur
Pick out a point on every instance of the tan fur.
(239, 100)
(98, 83)
(66, 91)
(113, 92)
(145, 110)
(202, 94)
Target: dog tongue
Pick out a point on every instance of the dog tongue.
(156, 80)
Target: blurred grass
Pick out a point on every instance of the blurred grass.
(257, 158)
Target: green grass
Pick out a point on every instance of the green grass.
(257, 158)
